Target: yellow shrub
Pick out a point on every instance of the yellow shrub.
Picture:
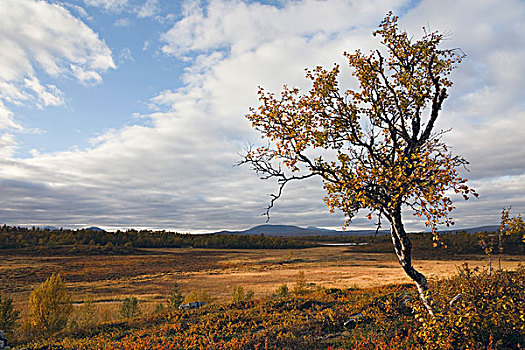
(199, 295)
(490, 310)
(50, 306)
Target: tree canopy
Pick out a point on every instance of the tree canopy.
(375, 148)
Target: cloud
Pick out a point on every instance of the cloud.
(486, 101)
(108, 5)
(125, 55)
(236, 25)
(142, 9)
(178, 172)
(42, 41)
(80, 11)
(48, 95)
(148, 9)
(7, 145)
(6, 118)
(122, 22)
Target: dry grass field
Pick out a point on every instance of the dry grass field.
(149, 276)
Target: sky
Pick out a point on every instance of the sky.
(130, 113)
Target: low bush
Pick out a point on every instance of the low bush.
(8, 316)
(241, 296)
(489, 315)
(175, 297)
(489, 310)
(199, 295)
(130, 308)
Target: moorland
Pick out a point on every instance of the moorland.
(299, 287)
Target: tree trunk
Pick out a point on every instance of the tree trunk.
(403, 249)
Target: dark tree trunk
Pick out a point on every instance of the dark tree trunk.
(403, 249)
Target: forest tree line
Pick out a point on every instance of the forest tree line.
(23, 237)
(12, 237)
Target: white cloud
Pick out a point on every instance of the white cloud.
(122, 22)
(7, 145)
(6, 118)
(236, 25)
(485, 107)
(48, 95)
(148, 9)
(178, 172)
(109, 5)
(78, 10)
(39, 40)
(125, 55)
(142, 9)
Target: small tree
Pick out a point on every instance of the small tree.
(282, 292)
(199, 295)
(8, 315)
(239, 295)
(175, 297)
(487, 243)
(300, 284)
(374, 148)
(509, 225)
(50, 306)
(130, 308)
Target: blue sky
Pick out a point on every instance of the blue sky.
(130, 113)
(91, 110)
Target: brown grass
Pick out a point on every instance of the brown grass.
(110, 279)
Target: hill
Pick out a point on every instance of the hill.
(296, 231)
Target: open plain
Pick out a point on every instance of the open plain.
(150, 273)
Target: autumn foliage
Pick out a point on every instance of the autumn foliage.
(50, 306)
(490, 314)
(375, 148)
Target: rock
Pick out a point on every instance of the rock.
(193, 305)
(3, 341)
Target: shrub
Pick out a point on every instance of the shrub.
(282, 292)
(199, 295)
(300, 284)
(490, 311)
(8, 315)
(130, 308)
(159, 308)
(175, 297)
(50, 306)
(239, 295)
(87, 314)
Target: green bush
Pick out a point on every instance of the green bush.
(8, 315)
(199, 295)
(130, 308)
(300, 284)
(282, 292)
(240, 296)
(175, 297)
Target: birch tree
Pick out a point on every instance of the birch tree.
(376, 148)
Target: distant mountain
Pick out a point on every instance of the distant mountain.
(488, 228)
(296, 231)
(94, 228)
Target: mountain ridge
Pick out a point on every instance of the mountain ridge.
(297, 231)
